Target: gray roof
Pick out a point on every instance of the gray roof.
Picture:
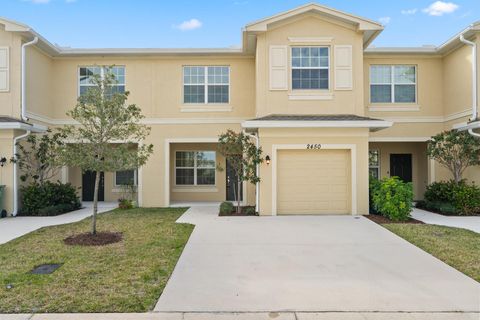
(316, 117)
(10, 119)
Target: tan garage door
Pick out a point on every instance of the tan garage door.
(313, 182)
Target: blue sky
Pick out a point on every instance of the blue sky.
(217, 23)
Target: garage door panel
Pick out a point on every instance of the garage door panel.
(313, 182)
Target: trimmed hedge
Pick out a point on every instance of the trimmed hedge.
(393, 198)
(226, 207)
(451, 198)
(48, 199)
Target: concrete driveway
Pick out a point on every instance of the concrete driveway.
(308, 263)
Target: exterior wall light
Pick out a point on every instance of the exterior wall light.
(267, 160)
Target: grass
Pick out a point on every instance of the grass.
(128, 276)
(456, 247)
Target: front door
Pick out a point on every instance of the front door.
(401, 166)
(232, 184)
(88, 186)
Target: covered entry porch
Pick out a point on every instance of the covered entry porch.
(407, 160)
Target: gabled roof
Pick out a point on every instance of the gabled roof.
(371, 28)
(443, 49)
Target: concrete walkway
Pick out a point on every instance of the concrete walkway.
(14, 227)
(249, 316)
(309, 264)
(470, 223)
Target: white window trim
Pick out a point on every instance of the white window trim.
(135, 177)
(195, 168)
(205, 84)
(353, 164)
(379, 162)
(392, 87)
(298, 92)
(102, 75)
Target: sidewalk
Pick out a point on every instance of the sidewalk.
(249, 316)
(470, 223)
(14, 227)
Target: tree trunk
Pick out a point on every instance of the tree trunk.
(238, 194)
(457, 175)
(95, 203)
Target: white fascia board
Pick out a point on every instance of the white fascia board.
(22, 126)
(463, 126)
(317, 124)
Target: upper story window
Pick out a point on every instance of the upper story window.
(85, 75)
(393, 84)
(310, 68)
(206, 84)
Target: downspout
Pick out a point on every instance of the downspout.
(474, 83)
(23, 116)
(24, 72)
(257, 169)
(15, 172)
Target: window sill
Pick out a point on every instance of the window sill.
(199, 189)
(310, 96)
(206, 108)
(393, 108)
(120, 190)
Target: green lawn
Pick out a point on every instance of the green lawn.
(456, 247)
(123, 277)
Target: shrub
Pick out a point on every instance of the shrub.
(393, 198)
(250, 211)
(449, 197)
(226, 207)
(125, 204)
(48, 198)
(373, 185)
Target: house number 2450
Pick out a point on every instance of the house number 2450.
(314, 146)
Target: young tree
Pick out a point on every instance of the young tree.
(108, 137)
(38, 157)
(243, 156)
(455, 150)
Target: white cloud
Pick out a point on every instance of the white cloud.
(191, 24)
(409, 11)
(439, 8)
(384, 20)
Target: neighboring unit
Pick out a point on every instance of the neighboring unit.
(327, 109)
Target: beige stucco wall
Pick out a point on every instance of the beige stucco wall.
(10, 100)
(274, 136)
(419, 162)
(310, 26)
(156, 84)
(39, 78)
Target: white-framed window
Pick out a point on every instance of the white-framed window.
(310, 68)
(374, 163)
(195, 168)
(125, 178)
(393, 84)
(85, 74)
(206, 84)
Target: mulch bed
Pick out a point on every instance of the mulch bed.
(384, 220)
(88, 239)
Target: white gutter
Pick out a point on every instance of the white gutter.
(24, 94)
(474, 78)
(15, 172)
(257, 169)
